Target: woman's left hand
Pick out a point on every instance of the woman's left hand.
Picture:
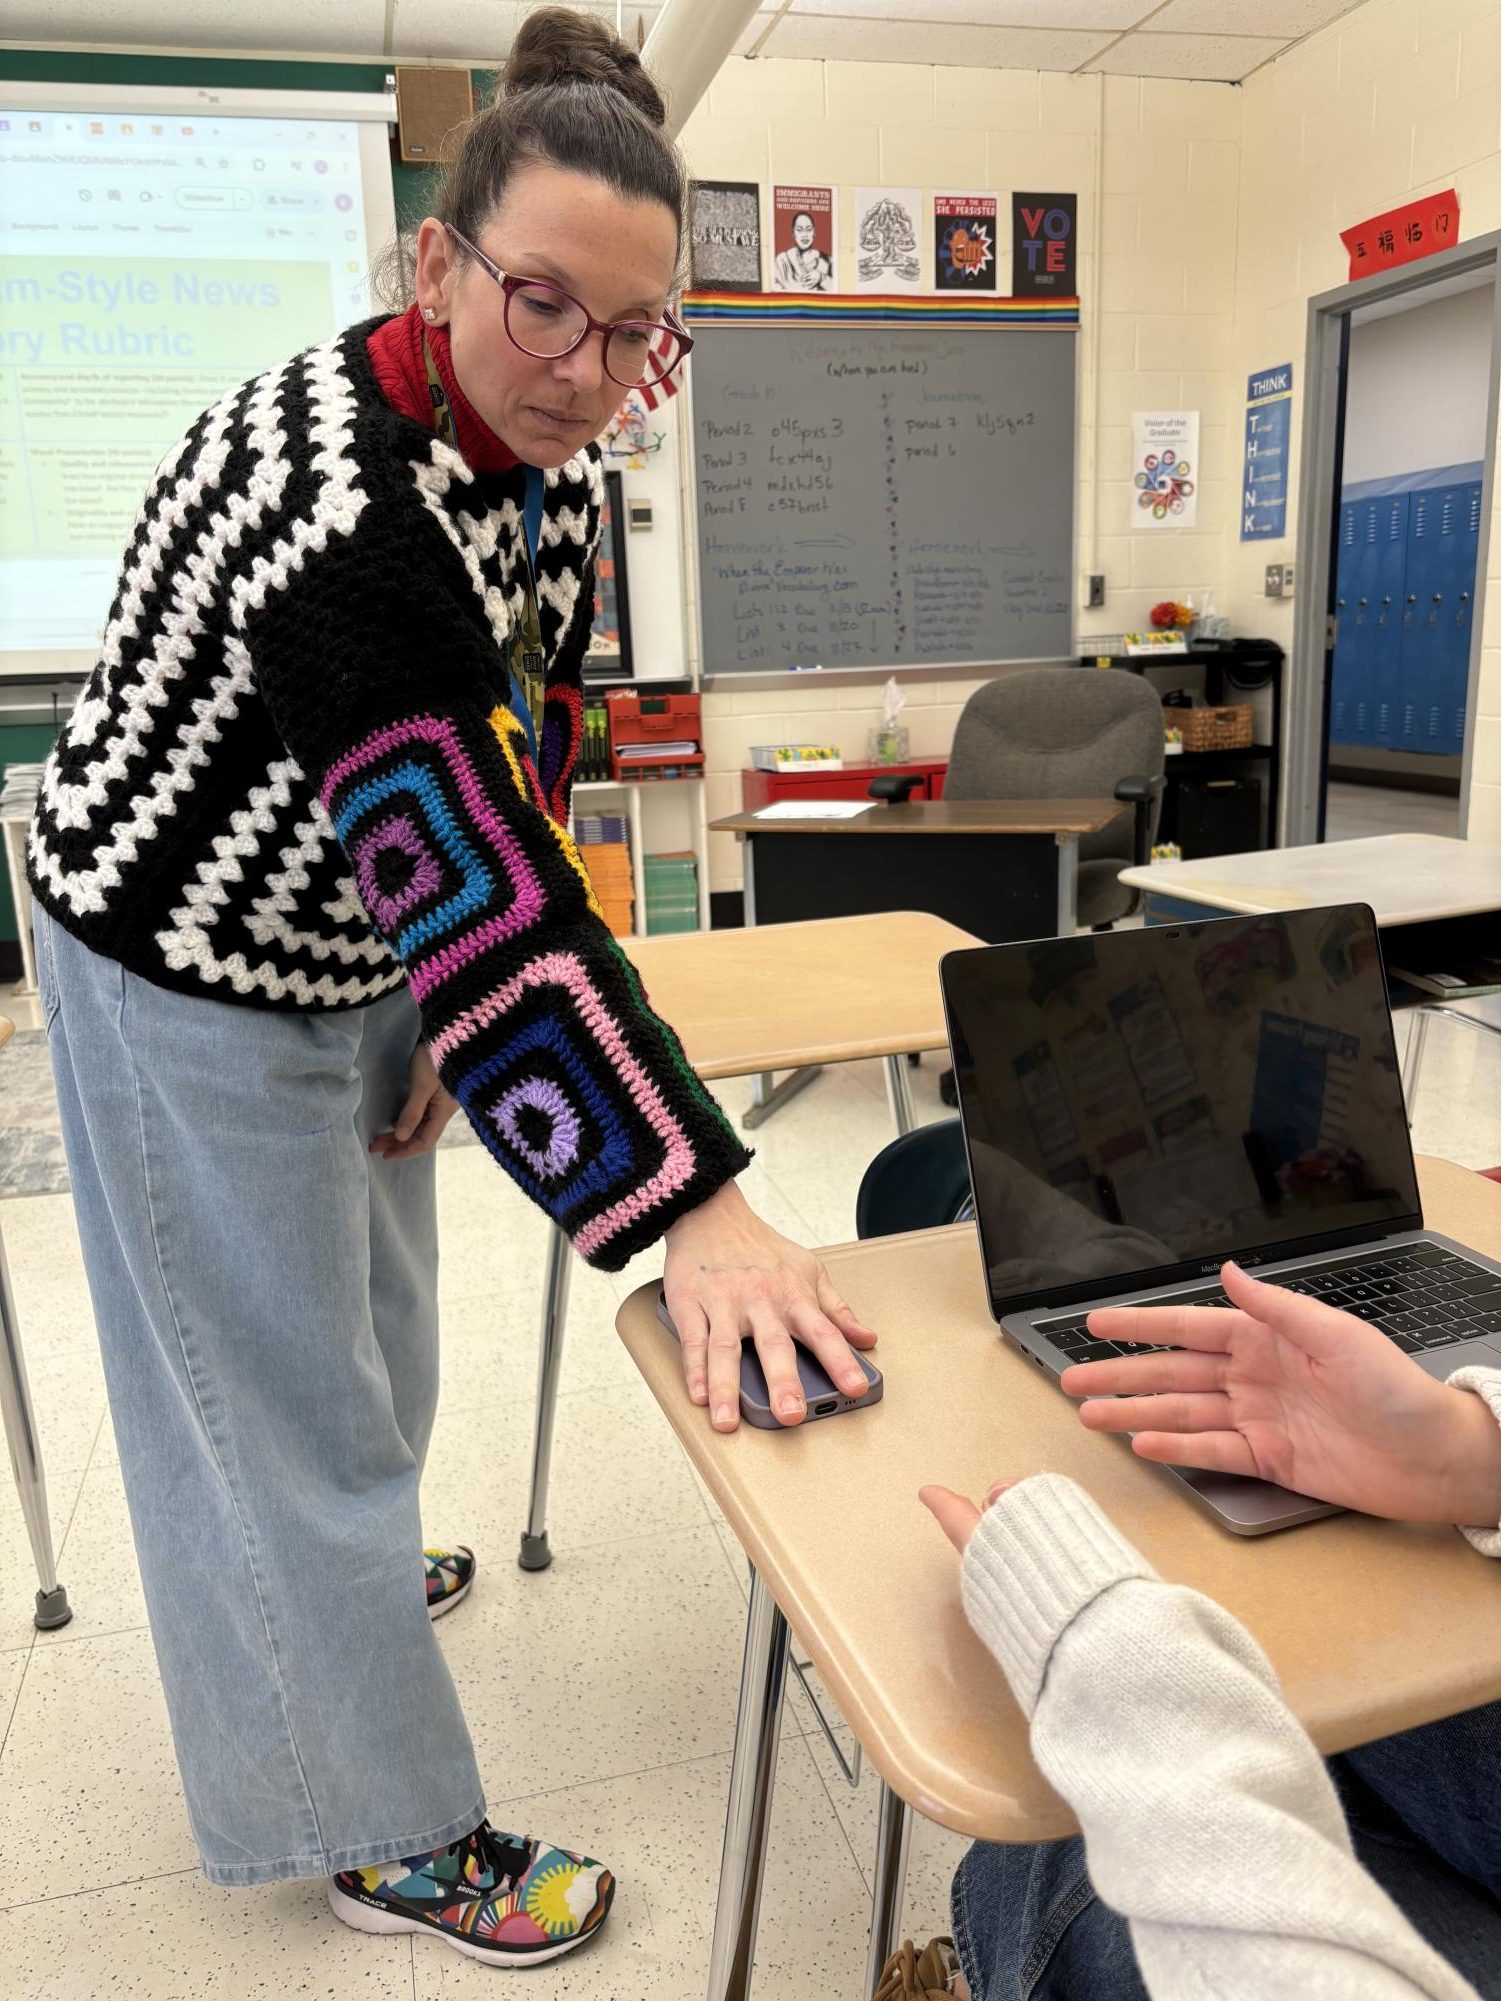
(955, 1514)
(421, 1120)
(728, 1276)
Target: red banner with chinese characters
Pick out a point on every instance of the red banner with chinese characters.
(1416, 230)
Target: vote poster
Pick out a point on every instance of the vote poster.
(1044, 237)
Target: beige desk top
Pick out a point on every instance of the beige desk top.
(7, 1030)
(778, 996)
(1405, 878)
(1372, 1626)
(947, 816)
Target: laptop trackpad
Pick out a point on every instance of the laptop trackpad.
(1442, 1362)
(1250, 1507)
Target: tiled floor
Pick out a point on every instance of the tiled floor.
(638, 1623)
(1354, 811)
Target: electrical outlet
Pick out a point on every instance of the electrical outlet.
(1095, 596)
(638, 514)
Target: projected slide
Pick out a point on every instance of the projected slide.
(147, 264)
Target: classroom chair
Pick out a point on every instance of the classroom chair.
(1065, 733)
(918, 1182)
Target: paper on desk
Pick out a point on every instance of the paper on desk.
(814, 809)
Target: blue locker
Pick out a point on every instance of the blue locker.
(1442, 545)
(1368, 601)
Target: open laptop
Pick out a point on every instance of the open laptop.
(1141, 1105)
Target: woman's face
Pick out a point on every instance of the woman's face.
(615, 255)
(803, 231)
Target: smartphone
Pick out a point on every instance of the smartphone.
(822, 1395)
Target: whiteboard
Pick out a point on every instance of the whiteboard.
(157, 246)
(883, 496)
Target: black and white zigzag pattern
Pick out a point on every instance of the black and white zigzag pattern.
(177, 830)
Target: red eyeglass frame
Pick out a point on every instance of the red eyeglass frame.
(510, 284)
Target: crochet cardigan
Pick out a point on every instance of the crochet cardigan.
(293, 781)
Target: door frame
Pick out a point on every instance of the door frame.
(1306, 714)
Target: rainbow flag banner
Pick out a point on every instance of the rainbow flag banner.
(840, 309)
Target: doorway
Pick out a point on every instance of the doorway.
(1399, 435)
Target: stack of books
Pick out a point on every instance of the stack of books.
(18, 794)
(671, 893)
(605, 846)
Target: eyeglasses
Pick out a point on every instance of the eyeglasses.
(546, 322)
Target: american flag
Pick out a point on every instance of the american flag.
(653, 393)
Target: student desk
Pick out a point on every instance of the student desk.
(1411, 881)
(1001, 869)
(746, 1002)
(1432, 897)
(1373, 1627)
(52, 1608)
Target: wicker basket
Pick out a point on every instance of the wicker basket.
(1216, 729)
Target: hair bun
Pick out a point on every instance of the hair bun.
(556, 46)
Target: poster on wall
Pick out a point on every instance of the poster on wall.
(724, 235)
(964, 242)
(1164, 468)
(1263, 486)
(1044, 230)
(803, 236)
(888, 248)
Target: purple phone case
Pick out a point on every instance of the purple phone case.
(824, 1398)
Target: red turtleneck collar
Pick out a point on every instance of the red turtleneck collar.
(395, 350)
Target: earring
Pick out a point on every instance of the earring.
(429, 312)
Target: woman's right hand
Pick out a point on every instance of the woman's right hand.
(1287, 1389)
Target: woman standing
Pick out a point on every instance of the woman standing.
(303, 881)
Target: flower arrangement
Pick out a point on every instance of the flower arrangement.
(1170, 616)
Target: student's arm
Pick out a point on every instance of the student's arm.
(1209, 1819)
(385, 683)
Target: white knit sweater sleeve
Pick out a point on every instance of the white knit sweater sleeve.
(1486, 1384)
(1209, 1819)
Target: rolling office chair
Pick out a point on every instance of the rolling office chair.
(1065, 733)
(918, 1182)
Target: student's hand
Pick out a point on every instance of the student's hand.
(421, 1120)
(728, 1275)
(1290, 1390)
(957, 1516)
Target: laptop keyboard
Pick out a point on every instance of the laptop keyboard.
(1422, 1296)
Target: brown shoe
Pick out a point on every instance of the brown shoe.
(910, 1975)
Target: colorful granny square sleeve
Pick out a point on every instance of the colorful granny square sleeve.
(535, 1017)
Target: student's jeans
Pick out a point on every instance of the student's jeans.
(1424, 1816)
(266, 1297)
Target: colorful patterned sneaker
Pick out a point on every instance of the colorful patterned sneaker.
(449, 1574)
(506, 1898)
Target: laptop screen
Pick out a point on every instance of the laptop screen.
(1150, 1102)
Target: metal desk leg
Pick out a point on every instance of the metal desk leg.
(1068, 885)
(535, 1553)
(893, 1834)
(770, 1096)
(52, 1607)
(758, 1732)
(899, 1095)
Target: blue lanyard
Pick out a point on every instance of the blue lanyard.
(531, 521)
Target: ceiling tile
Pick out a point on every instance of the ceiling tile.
(1204, 58)
(1111, 15)
(346, 27)
(849, 40)
(1287, 18)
